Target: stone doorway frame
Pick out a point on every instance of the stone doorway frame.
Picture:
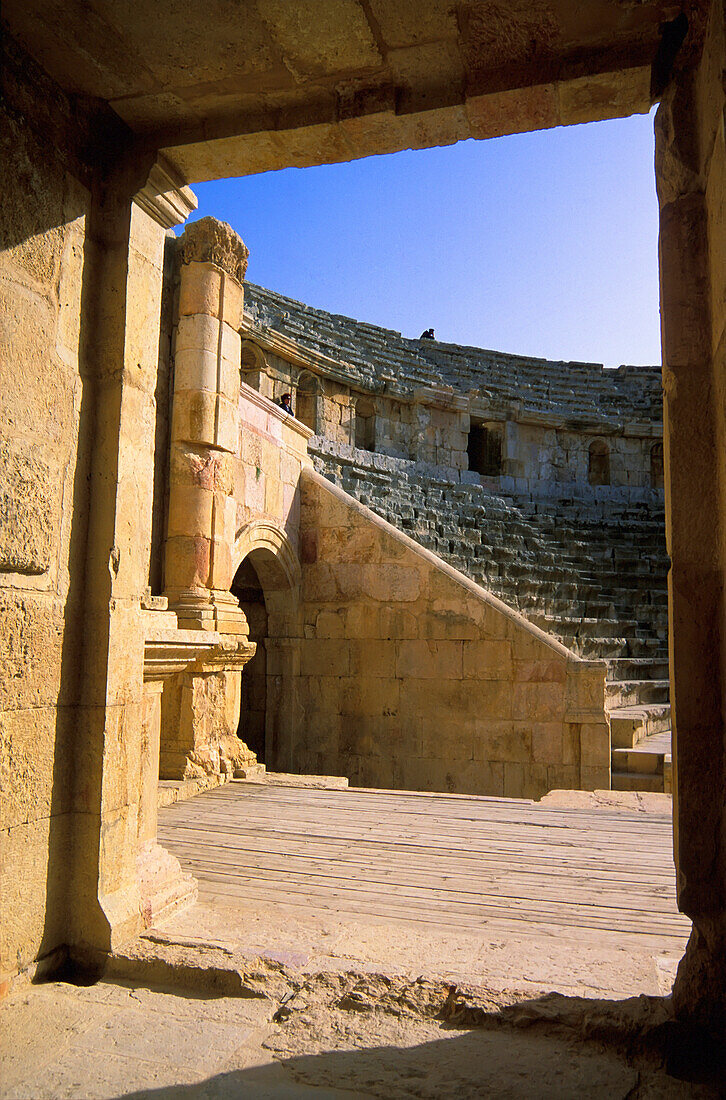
(359, 120)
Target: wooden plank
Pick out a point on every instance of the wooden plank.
(188, 843)
(471, 920)
(452, 861)
(420, 892)
(473, 809)
(513, 890)
(577, 848)
(613, 823)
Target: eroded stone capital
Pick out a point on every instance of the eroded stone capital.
(211, 241)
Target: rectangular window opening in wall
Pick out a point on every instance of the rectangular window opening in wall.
(484, 448)
(365, 425)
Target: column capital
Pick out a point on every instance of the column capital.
(211, 241)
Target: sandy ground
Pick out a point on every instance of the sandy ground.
(266, 1001)
(330, 1035)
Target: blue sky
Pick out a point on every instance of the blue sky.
(543, 244)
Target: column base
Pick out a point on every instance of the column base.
(163, 886)
(220, 611)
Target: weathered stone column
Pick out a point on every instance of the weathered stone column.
(691, 181)
(201, 708)
(168, 652)
(205, 429)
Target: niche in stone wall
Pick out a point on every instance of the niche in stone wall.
(484, 448)
(253, 364)
(306, 400)
(365, 424)
(656, 466)
(598, 466)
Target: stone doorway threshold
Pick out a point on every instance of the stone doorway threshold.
(179, 790)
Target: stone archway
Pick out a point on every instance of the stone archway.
(267, 584)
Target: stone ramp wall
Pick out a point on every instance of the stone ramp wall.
(559, 560)
(411, 676)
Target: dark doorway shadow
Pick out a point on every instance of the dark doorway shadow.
(253, 704)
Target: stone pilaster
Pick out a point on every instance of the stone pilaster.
(205, 429)
(691, 181)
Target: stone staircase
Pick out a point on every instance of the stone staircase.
(592, 573)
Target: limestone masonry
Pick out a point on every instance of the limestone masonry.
(447, 570)
(541, 481)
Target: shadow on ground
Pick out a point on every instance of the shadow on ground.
(551, 1048)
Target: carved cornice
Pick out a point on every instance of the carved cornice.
(169, 649)
(213, 242)
(165, 198)
(231, 654)
(292, 352)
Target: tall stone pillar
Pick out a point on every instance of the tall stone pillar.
(131, 212)
(205, 429)
(691, 182)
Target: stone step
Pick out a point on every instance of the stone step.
(638, 668)
(630, 725)
(635, 781)
(594, 649)
(637, 760)
(625, 693)
(644, 767)
(591, 573)
(597, 629)
(289, 779)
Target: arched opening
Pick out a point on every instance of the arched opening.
(598, 467)
(252, 364)
(365, 424)
(306, 400)
(253, 697)
(266, 584)
(656, 466)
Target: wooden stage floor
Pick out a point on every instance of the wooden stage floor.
(437, 865)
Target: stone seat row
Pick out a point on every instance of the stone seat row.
(372, 356)
(542, 562)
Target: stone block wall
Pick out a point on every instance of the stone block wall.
(413, 677)
(272, 451)
(43, 495)
(592, 568)
(550, 456)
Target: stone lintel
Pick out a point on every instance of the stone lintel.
(214, 242)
